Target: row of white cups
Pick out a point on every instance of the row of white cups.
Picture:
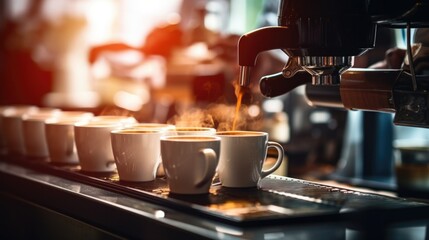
(189, 156)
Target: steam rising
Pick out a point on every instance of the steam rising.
(115, 111)
(219, 116)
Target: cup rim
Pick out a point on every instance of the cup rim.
(61, 122)
(130, 131)
(190, 138)
(40, 117)
(152, 125)
(147, 126)
(193, 129)
(90, 124)
(102, 118)
(72, 113)
(240, 133)
(18, 113)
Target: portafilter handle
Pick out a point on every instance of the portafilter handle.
(277, 84)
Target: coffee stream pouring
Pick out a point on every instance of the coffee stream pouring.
(322, 38)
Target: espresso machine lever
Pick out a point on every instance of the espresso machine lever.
(321, 39)
(289, 78)
(278, 84)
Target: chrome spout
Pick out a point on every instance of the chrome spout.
(325, 70)
(244, 76)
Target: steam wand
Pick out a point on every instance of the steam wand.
(410, 58)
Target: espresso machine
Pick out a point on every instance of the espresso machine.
(322, 39)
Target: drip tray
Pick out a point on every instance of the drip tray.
(275, 200)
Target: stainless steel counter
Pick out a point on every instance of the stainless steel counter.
(39, 204)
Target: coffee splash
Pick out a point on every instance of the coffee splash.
(222, 117)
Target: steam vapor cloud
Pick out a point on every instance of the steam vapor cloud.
(219, 116)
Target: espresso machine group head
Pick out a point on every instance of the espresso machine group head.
(321, 39)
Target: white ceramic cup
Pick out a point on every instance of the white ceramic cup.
(12, 126)
(59, 132)
(94, 147)
(168, 129)
(60, 140)
(33, 129)
(190, 162)
(3, 109)
(137, 153)
(179, 131)
(242, 156)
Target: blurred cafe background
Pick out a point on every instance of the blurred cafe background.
(174, 61)
(165, 61)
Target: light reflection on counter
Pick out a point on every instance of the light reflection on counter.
(228, 231)
(144, 212)
(159, 214)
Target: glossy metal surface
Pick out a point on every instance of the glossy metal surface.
(325, 70)
(123, 215)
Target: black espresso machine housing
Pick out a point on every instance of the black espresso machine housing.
(322, 38)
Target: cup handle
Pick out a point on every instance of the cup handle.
(159, 168)
(210, 160)
(279, 160)
(110, 163)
